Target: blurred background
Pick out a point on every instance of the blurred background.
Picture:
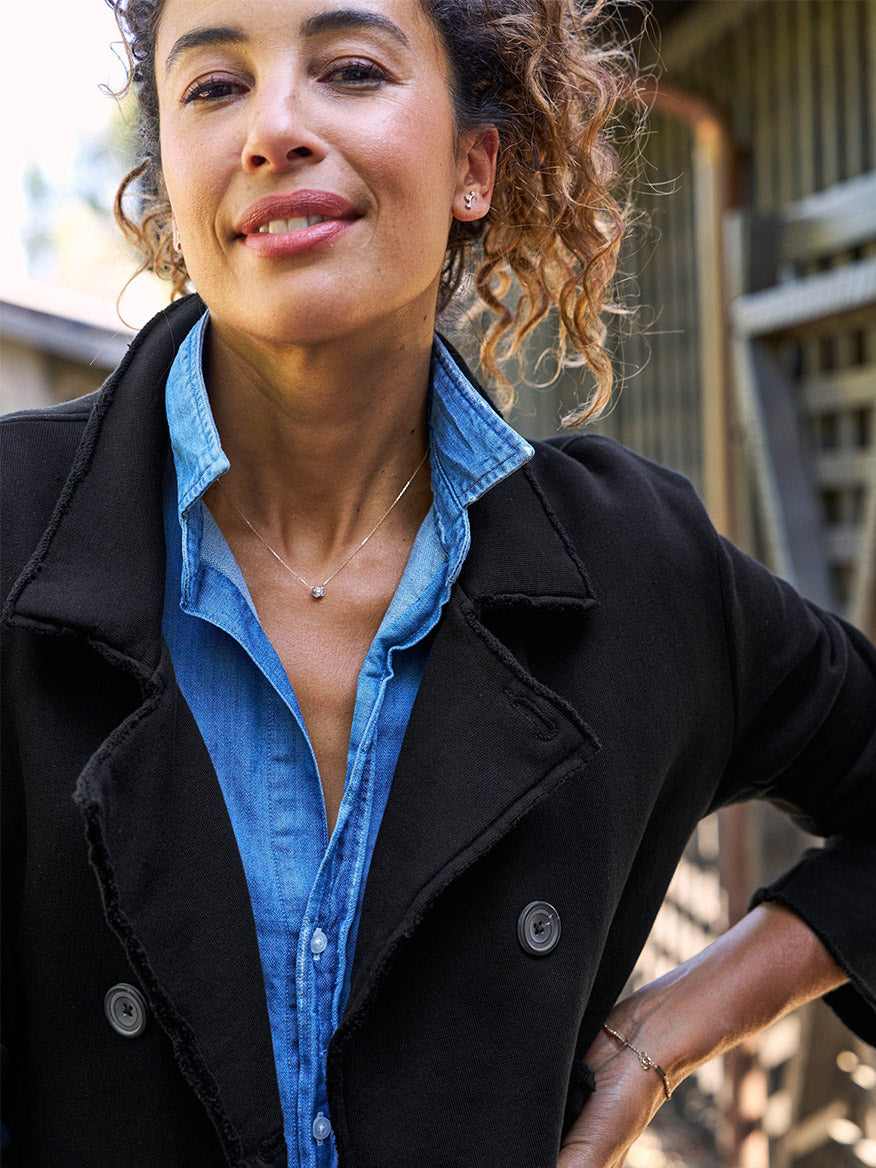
(749, 365)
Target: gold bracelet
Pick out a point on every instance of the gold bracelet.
(645, 1060)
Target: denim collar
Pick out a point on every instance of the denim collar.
(471, 447)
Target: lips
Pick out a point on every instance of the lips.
(296, 210)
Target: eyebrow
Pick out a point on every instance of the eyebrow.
(333, 20)
(200, 37)
(344, 19)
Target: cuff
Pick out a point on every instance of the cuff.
(833, 890)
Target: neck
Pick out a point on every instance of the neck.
(320, 438)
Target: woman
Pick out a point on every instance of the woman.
(290, 581)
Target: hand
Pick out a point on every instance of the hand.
(624, 1103)
(767, 964)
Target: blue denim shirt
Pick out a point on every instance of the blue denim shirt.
(306, 888)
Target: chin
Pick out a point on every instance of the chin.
(278, 320)
(317, 316)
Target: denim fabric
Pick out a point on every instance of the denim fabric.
(306, 888)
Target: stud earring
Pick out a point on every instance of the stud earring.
(174, 230)
(469, 199)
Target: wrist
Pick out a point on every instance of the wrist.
(645, 1061)
(661, 1020)
(766, 965)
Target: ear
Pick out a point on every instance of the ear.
(476, 173)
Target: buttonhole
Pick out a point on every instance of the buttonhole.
(543, 727)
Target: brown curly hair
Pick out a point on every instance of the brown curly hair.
(547, 76)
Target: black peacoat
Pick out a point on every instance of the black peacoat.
(606, 672)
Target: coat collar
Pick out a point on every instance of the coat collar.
(103, 551)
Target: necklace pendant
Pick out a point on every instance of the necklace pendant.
(318, 592)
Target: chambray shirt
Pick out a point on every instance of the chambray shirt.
(306, 888)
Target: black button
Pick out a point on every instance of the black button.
(538, 928)
(125, 1008)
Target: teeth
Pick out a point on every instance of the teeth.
(283, 226)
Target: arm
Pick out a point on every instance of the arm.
(767, 964)
(802, 724)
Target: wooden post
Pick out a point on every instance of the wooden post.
(714, 187)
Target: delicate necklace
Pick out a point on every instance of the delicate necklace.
(317, 591)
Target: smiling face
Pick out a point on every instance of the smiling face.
(311, 159)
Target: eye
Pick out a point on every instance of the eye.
(209, 89)
(354, 74)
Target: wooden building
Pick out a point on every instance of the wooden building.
(56, 345)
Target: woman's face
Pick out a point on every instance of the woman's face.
(310, 155)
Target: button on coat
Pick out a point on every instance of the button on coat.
(126, 1010)
(538, 928)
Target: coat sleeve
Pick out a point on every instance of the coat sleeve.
(804, 687)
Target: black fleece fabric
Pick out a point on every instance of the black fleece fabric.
(606, 672)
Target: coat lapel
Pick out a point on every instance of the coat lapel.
(486, 740)
(174, 891)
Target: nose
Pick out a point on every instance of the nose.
(278, 135)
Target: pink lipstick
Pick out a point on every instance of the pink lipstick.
(288, 224)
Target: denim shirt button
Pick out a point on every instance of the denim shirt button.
(318, 942)
(321, 1128)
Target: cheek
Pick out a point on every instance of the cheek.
(178, 177)
(195, 167)
(411, 164)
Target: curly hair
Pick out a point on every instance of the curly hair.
(547, 76)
